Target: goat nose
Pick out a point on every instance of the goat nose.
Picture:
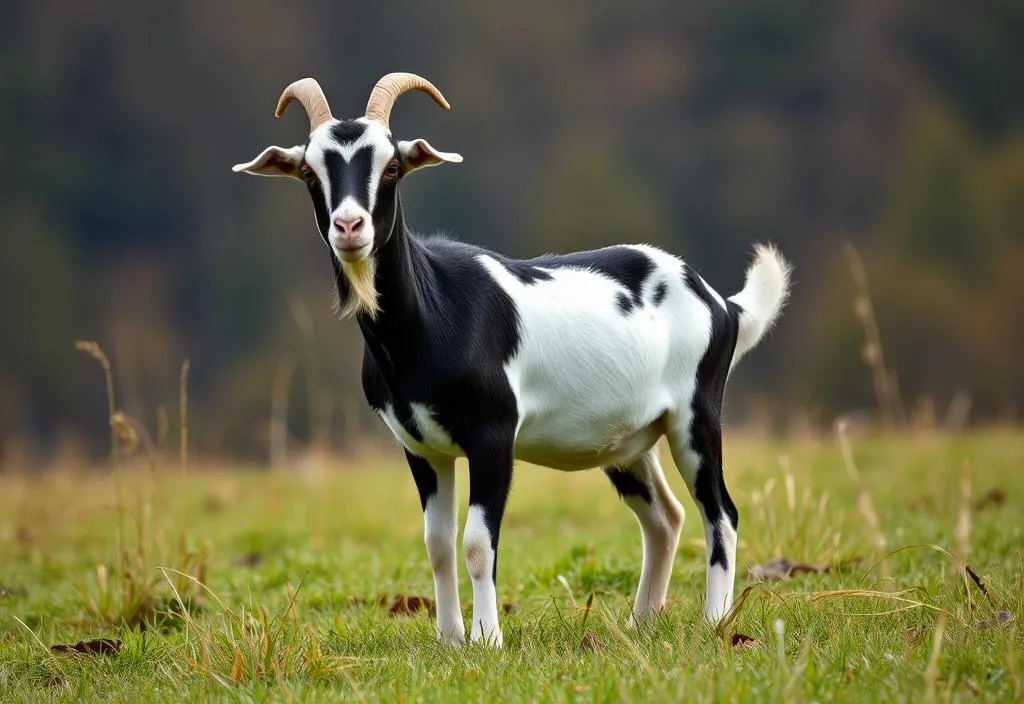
(350, 226)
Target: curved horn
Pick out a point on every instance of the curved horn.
(387, 90)
(311, 96)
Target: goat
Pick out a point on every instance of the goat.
(571, 361)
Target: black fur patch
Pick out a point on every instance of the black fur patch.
(323, 217)
(706, 425)
(524, 271)
(626, 483)
(624, 303)
(660, 291)
(347, 131)
(424, 476)
(626, 266)
(349, 178)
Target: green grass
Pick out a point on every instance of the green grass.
(346, 538)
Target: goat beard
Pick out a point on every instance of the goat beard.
(362, 289)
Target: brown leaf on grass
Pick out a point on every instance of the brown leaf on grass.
(214, 503)
(509, 608)
(250, 559)
(590, 643)
(914, 634)
(403, 605)
(977, 580)
(741, 640)
(993, 497)
(7, 592)
(25, 535)
(1000, 618)
(781, 568)
(98, 646)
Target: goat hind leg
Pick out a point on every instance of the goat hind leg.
(697, 450)
(643, 488)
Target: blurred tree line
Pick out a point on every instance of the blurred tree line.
(698, 127)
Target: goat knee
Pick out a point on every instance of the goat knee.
(477, 545)
(440, 549)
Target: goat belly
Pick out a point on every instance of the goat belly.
(597, 445)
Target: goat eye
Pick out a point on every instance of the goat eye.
(391, 170)
(307, 173)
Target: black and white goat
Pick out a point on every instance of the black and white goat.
(571, 361)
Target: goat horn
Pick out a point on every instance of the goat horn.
(309, 93)
(387, 90)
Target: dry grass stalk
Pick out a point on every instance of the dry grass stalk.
(183, 414)
(724, 627)
(132, 434)
(873, 354)
(898, 597)
(96, 352)
(963, 523)
(162, 426)
(864, 502)
(931, 674)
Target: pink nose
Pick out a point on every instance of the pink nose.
(349, 228)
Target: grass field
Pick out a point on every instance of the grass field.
(294, 568)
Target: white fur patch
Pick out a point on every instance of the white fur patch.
(593, 385)
(480, 562)
(434, 436)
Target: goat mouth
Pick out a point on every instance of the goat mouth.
(352, 254)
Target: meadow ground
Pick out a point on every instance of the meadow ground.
(294, 568)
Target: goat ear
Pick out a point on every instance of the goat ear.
(418, 153)
(274, 161)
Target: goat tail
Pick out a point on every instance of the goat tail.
(763, 296)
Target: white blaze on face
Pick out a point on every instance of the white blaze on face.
(350, 171)
(349, 160)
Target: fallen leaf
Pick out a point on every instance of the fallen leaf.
(1000, 618)
(10, 592)
(741, 640)
(590, 643)
(914, 634)
(509, 608)
(25, 535)
(994, 497)
(215, 503)
(402, 605)
(99, 646)
(250, 559)
(977, 580)
(781, 568)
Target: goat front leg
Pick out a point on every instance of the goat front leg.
(435, 480)
(490, 478)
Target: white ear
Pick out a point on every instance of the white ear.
(418, 154)
(274, 161)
